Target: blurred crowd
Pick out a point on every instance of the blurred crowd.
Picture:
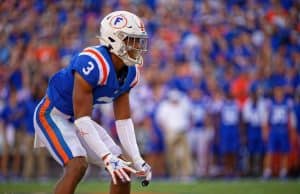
(219, 94)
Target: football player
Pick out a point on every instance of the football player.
(278, 126)
(229, 129)
(254, 112)
(98, 74)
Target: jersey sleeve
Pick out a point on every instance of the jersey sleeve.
(135, 76)
(92, 66)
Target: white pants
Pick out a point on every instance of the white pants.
(58, 134)
(200, 141)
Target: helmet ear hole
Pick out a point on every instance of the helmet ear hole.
(111, 39)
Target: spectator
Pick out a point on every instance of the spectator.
(33, 158)
(229, 134)
(253, 113)
(173, 116)
(277, 125)
(201, 134)
(297, 114)
(156, 156)
(12, 115)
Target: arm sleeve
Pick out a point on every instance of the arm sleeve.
(126, 134)
(107, 140)
(90, 135)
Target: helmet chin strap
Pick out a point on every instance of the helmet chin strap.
(123, 54)
(127, 60)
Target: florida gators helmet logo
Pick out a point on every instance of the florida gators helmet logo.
(118, 21)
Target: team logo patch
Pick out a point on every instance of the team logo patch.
(118, 21)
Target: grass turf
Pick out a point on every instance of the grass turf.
(201, 187)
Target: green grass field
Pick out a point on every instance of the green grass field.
(200, 187)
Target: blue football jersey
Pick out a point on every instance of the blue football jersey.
(229, 114)
(279, 114)
(199, 113)
(95, 66)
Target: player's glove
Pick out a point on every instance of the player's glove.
(144, 171)
(117, 168)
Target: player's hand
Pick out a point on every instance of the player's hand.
(144, 171)
(117, 168)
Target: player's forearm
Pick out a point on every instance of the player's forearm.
(126, 134)
(90, 136)
(122, 107)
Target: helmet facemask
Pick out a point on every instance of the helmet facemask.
(134, 46)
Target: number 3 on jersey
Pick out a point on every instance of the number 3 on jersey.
(87, 70)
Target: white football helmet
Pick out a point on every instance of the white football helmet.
(125, 35)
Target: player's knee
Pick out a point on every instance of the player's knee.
(77, 165)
